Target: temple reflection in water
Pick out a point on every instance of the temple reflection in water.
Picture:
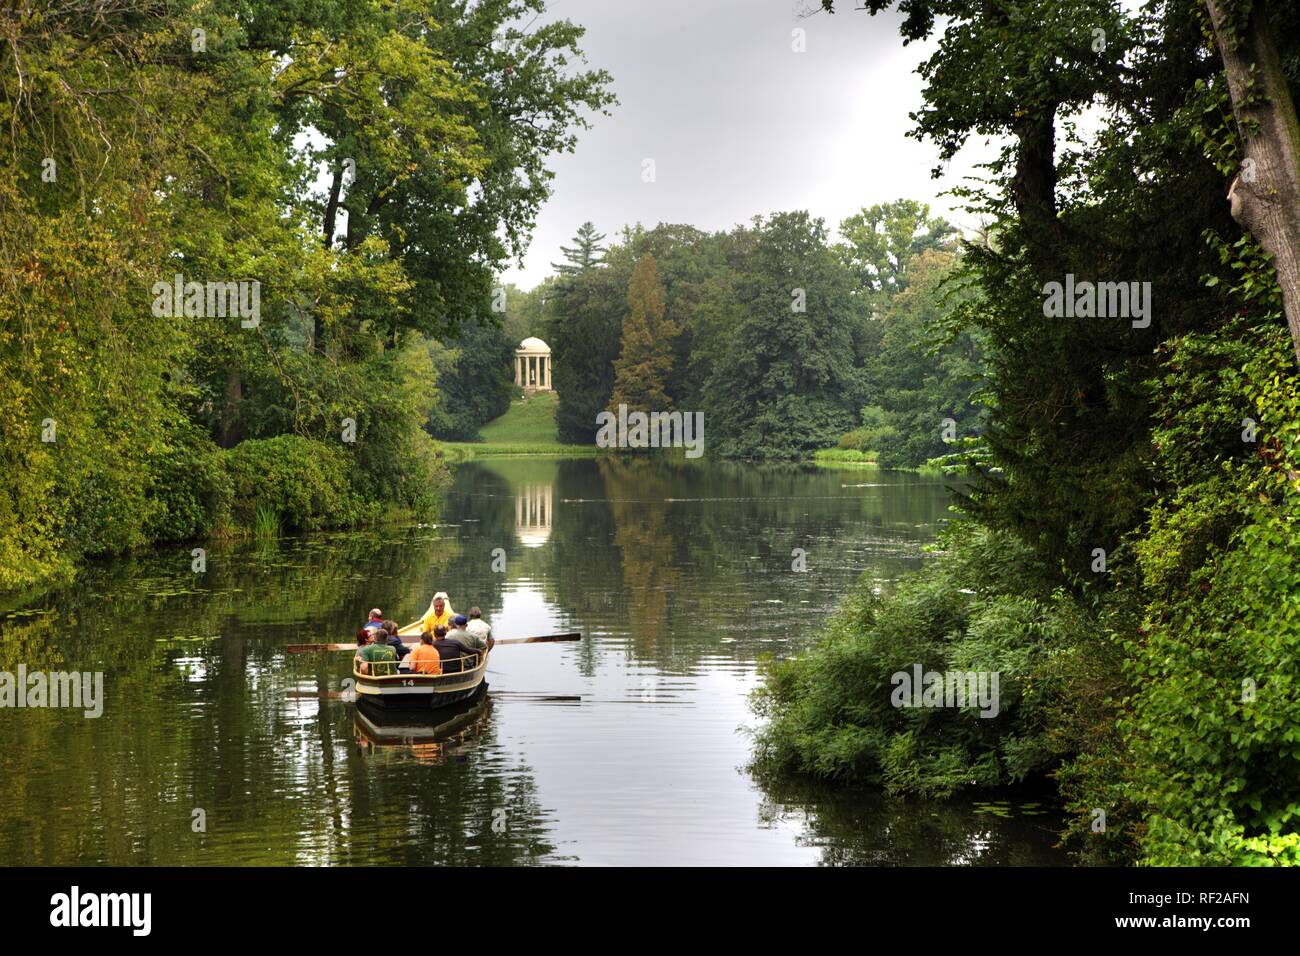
(533, 514)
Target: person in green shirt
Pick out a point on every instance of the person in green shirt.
(377, 659)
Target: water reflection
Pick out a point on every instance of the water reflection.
(533, 514)
(431, 738)
(625, 748)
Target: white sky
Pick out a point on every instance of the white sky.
(738, 123)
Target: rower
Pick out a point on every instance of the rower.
(439, 613)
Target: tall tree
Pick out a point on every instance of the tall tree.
(786, 383)
(583, 323)
(645, 363)
(922, 373)
(474, 381)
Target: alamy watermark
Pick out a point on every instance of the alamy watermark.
(651, 430)
(946, 689)
(1101, 300)
(213, 300)
(80, 691)
(75, 908)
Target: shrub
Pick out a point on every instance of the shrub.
(830, 714)
(189, 487)
(306, 483)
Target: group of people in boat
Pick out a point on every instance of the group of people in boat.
(449, 642)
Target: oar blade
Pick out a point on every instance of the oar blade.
(544, 639)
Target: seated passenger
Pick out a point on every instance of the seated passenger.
(450, 651)
(456, 632)
(377, 659)
(376, 621)
(395, 642)
(470, 642)
(478, 628)
(425, 659)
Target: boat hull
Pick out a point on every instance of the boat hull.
(405, 691)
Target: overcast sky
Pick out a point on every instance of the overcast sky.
(738, 123)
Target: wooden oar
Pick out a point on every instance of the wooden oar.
(544, 639)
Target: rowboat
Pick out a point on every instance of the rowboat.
(406, 690)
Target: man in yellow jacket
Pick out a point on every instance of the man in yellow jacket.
(439, 612)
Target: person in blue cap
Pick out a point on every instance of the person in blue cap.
(471, 641)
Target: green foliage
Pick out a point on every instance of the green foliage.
(645, 362)
(585, 253)
(474, 382)
(830, 711)
(781, 388)
(266, 522)
(172, 160)
(882, 242)
(770, 329)
(1213, 716)
(922, 371)
(584, 322)
(1163, 693)
(303, 483)
(190, 486)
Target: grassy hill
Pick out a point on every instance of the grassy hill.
(527, 428)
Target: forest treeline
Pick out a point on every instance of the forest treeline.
(239, 242)
(1126, 559)
(787, 338)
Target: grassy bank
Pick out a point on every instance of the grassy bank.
(843, 458)
(527, 428)
(848, 458)
(460, 451)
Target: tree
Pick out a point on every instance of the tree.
(645, 363)
(1265, 195)
(585, 253)
(447, 111)
(881, 242)
(786, 383)
(922, 372)
(583, 322)
(474, 381)
(138, 152)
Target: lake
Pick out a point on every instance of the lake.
(216, 747)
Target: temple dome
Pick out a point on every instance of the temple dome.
(532, 344)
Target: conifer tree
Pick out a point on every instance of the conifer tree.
(646, 361)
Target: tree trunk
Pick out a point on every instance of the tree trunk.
(231, 432)
(1033, 187)
(1265, 195)
(327, 237)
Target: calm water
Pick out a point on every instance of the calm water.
(628, 748)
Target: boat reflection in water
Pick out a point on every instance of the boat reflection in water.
(431, 736)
